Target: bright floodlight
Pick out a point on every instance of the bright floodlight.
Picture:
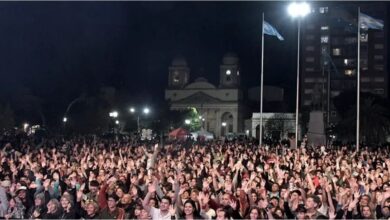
(117, 122)
(114, 114)
(223, 124)
(132, 110)
(65, 119)
(146, 111)
(25, 126)
(298, 9)
(187, 121)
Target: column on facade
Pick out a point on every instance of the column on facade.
(218, 125)
(235, 120)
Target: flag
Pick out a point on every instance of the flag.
(367, 22)
(270, 30)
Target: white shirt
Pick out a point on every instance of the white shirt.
(156, 214)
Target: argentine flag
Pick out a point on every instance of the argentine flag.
(270, 30)
(368, 22)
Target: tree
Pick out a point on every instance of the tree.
(195, 119)
(6, 117)
(374, 119)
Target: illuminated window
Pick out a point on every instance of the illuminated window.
(349, 72)
(363, 37)
(323, 10)
(335, 93)
(324, 39)
(324, 28)
(336, 51)
(176, 77)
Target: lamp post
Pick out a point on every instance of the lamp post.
(298, 10)
(114, 115)
(145, 111)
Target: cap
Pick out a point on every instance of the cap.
(21, 188)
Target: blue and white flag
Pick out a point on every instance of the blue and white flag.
(368, 22)
(270, 30)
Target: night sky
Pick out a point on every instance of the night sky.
(60, 49)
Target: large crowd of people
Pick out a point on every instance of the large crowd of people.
(104, 179)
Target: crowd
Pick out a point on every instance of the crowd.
(102, 179)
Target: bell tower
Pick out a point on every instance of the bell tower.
(179, 73)
(229, 71)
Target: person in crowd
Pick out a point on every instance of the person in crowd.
(106, 179)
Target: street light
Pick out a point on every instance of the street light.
(25, 126)
(187, 121)
(114, 114)
(298, 10)
(117, 122)
(65, 119)
(145, 111)
(223, 124)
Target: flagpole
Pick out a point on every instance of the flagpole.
(261, 83)
(358, 86)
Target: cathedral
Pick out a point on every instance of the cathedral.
(220, 106)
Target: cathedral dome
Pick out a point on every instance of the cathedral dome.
(200, 83)
(230, 59)
(179, 61)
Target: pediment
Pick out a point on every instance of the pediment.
(198, 98)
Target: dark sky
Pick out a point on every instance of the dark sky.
(58, 49)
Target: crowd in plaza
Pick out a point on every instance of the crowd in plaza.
(84, 178)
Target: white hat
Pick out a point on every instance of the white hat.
(21, 188)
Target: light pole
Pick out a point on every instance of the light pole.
(145, 111)
(298, 10)
(114, 115)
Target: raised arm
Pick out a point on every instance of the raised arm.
(145, 202)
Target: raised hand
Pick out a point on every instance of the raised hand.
(79, 195)
(233, 204)
(152, 188)
(172, 210)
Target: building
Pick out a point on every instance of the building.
(220, 106)
(329, 54)
(275, 125)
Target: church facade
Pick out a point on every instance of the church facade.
(220, 106)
